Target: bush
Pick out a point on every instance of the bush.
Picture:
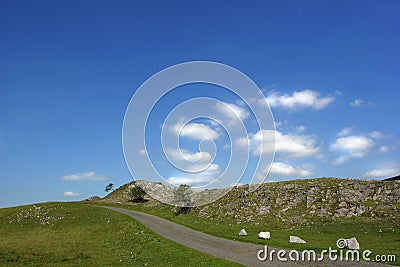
(137, 194)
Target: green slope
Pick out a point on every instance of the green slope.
(73, 234)
(297, 208)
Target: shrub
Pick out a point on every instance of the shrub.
(137, 194)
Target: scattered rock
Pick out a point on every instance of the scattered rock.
(342, 211)
(352, 243)
(264, 235)
(263, 210)
(342, 204)
(296, 239)
(361, 209)
(350, 214)
(242, 232)
(285, 209)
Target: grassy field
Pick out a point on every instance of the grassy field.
(73, 234)
(380, 236)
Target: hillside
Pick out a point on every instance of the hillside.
(74, 234)
(320, 211)
(297, 202)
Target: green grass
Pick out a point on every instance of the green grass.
(73, 234)
(381, 236)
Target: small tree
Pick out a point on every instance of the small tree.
(109, 187)
(137, 194)
(183, 198)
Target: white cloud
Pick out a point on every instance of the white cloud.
(232, 111)
(142, 152)
(353, 146)
(378, 135)
(300, 128)
(209, 169)
(70, 194)
(344, 132)
(389, 169)
(282, 169)
(187, 180)
(298, 100)
(383, 149)
(183, 154)
(337, 92)
(290, 145)
(85, 176)
(356, 103)
(196, 131)
(204, 177)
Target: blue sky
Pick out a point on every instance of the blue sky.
(68, 69)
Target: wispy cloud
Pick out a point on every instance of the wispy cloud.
(344, 132)
(70, 194)
(356, 103)
(91, 175)
(378, 135)
(300, 128)
(298, 100)
(232, 112)
(388, 169)
(384, 149)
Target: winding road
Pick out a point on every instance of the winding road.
(230, 250)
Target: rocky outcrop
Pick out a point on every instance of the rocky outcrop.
(305, 201)
(93, 198)
(293, 203)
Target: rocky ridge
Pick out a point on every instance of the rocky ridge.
(298, 201)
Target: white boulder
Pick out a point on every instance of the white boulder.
(264, 235)
(242, 232)
(296, 239)
(352, 243)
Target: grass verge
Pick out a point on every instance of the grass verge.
(71, 234)
(381, 237)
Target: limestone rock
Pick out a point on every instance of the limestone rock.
(296, 239)
(242, 232)
(342, 211)
(352, 243)
(263, 210)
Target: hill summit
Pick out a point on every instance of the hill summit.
(295, 202)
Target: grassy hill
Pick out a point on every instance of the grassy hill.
(73, 234)
(318, 210)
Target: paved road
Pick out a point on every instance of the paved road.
(235, 251)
